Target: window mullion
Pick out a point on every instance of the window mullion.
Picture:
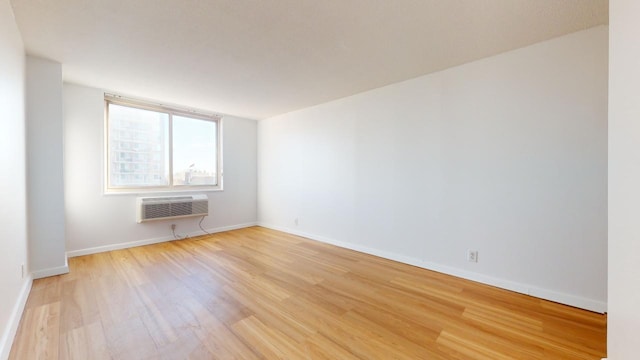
(171, 150)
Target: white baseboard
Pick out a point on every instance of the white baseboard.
(14, 320)
(563, 298)
(39, 274)
(99, 249)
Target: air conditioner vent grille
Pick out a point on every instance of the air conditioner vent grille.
(171, 207)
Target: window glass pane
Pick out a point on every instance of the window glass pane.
(138, 147)
(194, 151)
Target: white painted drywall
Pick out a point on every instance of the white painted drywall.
(95, 221)
(45, 180)
(13, 212)
(507, 156)
(624, 180)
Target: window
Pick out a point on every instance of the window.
(155, 148)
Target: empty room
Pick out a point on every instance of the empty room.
(295, 179)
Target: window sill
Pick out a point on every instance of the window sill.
(159, 192)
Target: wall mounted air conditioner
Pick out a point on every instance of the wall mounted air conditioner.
(171, 207)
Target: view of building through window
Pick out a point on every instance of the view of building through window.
(138, 147)
(149, 148)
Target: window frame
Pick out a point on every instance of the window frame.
(171, 111)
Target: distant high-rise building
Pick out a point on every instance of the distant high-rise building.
(138, 151)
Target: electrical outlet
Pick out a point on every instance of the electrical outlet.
(472, 256)
(22, 270)
(296, 221)
(173, 227)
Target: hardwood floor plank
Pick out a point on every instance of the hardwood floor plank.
(471, 348)
(270, 342)
(256, 293)
(273, 313)
(211, 332)
(96, 341)
(42, 339)
(129, 339)
(320, 347)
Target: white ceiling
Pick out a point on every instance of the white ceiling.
(259, 58)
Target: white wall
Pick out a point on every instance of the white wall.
(97, 222)
(624, 180)
(45, 183)
(506, 155)
(13, 217)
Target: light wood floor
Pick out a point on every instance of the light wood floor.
(261, 294)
